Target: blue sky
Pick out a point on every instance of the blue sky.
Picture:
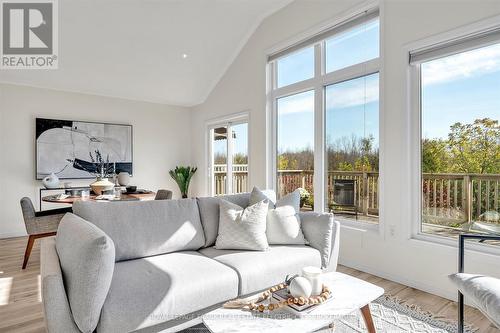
(458, 88)
(351, 106)
(240, 144)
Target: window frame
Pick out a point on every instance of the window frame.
(228, 121)
(414, 117)
(318, 83)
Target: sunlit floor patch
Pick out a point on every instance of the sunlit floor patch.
(5, 288)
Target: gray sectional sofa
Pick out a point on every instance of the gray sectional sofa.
(152, 266)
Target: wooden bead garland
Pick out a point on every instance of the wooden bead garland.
(321, 298)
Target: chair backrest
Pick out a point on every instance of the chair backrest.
(27, 208)
(28, 212)
(41, 222)
(163, 195)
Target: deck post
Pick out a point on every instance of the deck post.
(467, 199)
(365, 193)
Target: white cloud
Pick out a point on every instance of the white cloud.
(343, 95)
(296, 103)
(349, 95)
(468, 64)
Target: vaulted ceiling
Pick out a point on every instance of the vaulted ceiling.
(164, 51)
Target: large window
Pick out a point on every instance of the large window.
(459, 89)
(325, 98)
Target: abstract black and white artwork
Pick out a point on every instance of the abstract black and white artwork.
(66, 147)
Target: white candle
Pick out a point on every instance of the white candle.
(313, 274)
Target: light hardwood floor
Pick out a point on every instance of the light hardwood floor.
(21, 309)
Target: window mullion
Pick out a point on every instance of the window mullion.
(319, 147)
(272, 129)
(352, 72)
(229, 162)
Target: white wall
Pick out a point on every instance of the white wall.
(420, 264)
(161, 141)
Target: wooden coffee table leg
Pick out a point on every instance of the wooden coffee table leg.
(367, 316)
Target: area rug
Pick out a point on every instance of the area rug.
(390, 315)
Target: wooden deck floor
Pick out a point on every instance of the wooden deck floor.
(21, 309)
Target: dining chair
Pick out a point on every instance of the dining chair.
(39, 224)
(163, 195)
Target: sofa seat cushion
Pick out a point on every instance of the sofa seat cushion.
(483, 291)
(146, 228)
(261, 270)
(148, 291)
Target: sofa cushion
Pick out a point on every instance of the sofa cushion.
(261, 270)
(87, 259)
(483, 291)
(149, 291)
(258, 195)
(209, 213)
(320, 230)
(146, 228)
(283, 221)
(242, 228)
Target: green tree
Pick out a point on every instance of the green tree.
(435, 156)
(345, 166)
(362, 164)
(240, 158)
(285, 163)
(475, 148)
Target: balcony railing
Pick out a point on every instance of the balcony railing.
(460, 197)
(366, 183)
(240, 178)
(447, 199)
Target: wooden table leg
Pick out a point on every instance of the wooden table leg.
(367, 316)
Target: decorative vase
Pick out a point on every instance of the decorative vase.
(51, 181)
(300, 287)
(123, 178)
(101, 184)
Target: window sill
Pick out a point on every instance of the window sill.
(453, 243)
(357, 225)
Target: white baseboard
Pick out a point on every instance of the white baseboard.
(13, 234)
(400, 279)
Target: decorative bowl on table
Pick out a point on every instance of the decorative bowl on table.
(131, 189)
(101, 185)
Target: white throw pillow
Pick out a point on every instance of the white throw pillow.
(242, 228)
(283, 221)
(258, 195)
(283, 226)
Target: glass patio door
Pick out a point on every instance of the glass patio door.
(228, 160)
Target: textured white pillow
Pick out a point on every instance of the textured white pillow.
(283, 226)
(283, 222)
(242, 228)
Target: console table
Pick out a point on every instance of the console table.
(124, 197)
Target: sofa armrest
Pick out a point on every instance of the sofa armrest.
(58, 317)
(322, 232)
